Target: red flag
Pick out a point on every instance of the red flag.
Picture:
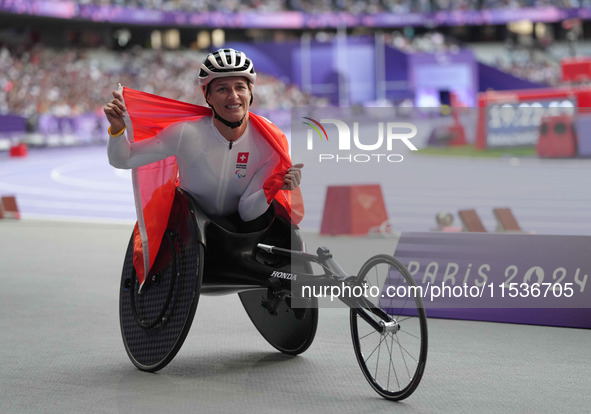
(154, 184)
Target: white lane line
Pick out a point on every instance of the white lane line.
(318, 195)
(116, 195)
(59, 174)
(559, 212)
(68, 205)
(427, 223)
(126, 174)
(76, 219)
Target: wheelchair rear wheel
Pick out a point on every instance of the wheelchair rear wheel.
(156, 321)
(289, 330)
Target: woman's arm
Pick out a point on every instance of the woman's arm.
(125, 154)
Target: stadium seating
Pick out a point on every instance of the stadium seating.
(351, 6)
(70, 72)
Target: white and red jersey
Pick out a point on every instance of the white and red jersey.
(154, 182)
(224, 177)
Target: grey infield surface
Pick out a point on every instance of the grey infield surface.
(61, 349)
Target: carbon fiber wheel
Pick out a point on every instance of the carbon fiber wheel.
(155, 322)
(393, 360)
(288, 330)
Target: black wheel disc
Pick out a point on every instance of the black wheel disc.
(155, 322)
(290, 331)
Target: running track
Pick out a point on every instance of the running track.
(546, 196)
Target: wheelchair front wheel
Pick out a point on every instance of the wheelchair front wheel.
(392, 361)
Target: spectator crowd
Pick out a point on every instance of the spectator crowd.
(70, 82)
(351, 6)
(532, 65)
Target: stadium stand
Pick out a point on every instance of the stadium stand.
(351, 6)
(57, 80)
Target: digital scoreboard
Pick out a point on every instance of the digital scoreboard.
(513, 118)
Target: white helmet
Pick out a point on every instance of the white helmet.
(225, 63)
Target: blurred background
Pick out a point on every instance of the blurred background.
(526, 62)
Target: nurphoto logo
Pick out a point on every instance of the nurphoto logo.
(368, 148)
(316, 129)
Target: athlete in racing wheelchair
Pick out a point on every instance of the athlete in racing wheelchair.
(230, 225)
(229, 165)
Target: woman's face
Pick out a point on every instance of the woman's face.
(230, 97)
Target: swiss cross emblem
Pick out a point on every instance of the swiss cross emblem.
(242, 158)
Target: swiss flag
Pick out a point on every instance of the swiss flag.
(242, 158)
(154, 184)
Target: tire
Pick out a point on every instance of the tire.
(292, 327)
(289, 331)
(155, 323)
(392, 362)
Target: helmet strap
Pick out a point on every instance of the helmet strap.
(227, 123)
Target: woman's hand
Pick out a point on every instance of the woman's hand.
(114, 111)
(293, 177)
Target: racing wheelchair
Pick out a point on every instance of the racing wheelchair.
(267, 267)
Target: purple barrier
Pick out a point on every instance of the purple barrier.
(583, 127)
(286, 19)
(92, 128)
(85, 127)
(12, 130)
(77, 130)
(11, 124)
(492, 78)
(518, 278)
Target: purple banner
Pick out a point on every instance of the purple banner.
(89, 128)
(59, 9)
(12, 130)
(491, 78)
(286, 19)
(517, 278)
(10, 124)
(471, 270)
(77, 130)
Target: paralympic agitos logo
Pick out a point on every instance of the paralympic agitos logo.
(388, 133)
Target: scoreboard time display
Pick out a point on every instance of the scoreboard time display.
(513, 118)
(518, 124)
